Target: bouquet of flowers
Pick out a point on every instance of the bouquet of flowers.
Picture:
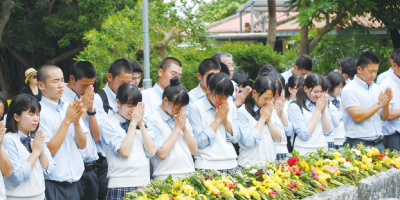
(296, 177)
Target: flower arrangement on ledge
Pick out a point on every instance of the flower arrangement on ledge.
(294, 178)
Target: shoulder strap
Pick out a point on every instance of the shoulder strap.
(104, 98)
(301, 109)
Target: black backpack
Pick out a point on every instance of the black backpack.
(104, 98)
(290, 145)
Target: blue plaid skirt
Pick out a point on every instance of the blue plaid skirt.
(119, 193)
(338, 146)
(331, 145)
(280, 156)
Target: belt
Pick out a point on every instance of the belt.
(372, 142)
(90, 166)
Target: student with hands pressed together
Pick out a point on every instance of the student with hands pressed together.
(215, 125)
(127, 144)
(309, 116)
(365, 104)
(27, 150)
(172, 132)
(63, 133)
(259, 126)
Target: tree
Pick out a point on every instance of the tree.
(216, 10)
(46, 31)
(272, 23)
(333, 12)
(121, 35)
(388, 14)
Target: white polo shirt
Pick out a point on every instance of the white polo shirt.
(389, 128)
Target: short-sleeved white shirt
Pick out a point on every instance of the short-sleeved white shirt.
(393, 126)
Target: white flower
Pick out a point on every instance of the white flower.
(346, 164)
(357, 152)
(247, 166)
(253, 171)
(270, 171)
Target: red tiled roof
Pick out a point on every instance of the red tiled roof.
(231, 24)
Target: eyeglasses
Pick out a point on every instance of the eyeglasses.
(34, 76)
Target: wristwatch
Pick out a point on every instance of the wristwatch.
(92, 113)
(380, 104)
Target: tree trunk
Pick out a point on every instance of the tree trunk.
(272, 23)
(304, 46)
(162, 46)
(395, 36)
(5, 13)
(162, 50)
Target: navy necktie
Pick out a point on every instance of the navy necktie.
(27, 142)
(313, 103)
(257, 115)
(125, 125)
(336, 103)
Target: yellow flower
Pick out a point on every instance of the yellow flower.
(375, 151)
(378, 164)
(364, 167)
(163, 197)
(322, 176)
(142, 197)
(305, 165)
(177, 183)
(337, 155)
(342, 160)
(369, 152)
(334, 162)
(388, 161)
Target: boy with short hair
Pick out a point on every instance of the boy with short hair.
(348, 68)
(389, 72)
(365, 104)
(64, 134)
(137, 71)
(80, 86)
(302, 67)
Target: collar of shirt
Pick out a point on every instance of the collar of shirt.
(390, 70)
(69, 95)
(199, 92)
(208, 104)
(158, 90)
(309, 103)
(120, 118)
(22, 135)
(362, 83)
(53, 105)
(110, 93)
(395, 79)
(331, 98)
(164, 115)
(256, 108)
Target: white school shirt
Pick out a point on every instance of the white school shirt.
(152, 98)
(89, 153)
(220, 154)
(287, 75)
(390, 128)
(101, 114)
(195, 94)
(282, 146)
(264, 150)
(359, 93)
(384, 76)
(179, 162)
(68, 159)
(338, 132)
(317, 138)
(124, 172)
(32, 188)
(2, 187)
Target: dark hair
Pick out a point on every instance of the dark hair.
(241, 78)
(310, 82)
(349, 66)
(260, 86)
(19, 104)
(278, 84)
(279, 78)
(293, 81)
(267, 69)
(394, 52)
(166, 63)
(304, 62)
(335, 78)
(219, 56)
(83, 69)
(327, 85)
(220, 84)
(118, 66)
(129, 94)
(176, 93)
(366, 58)
(396, 58)
(42, 72)
(5, 103)
(136, 66)
(225, 69)
(207, 65)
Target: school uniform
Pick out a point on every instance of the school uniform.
(287, 75)
(102, 116)
(215, 149)
(125, 174)
(2, 187)
(383, 76)
(391, 130)
(338, 132)
(335, 122)
(25, 182)
(256, 147)
(89, 183)
(152, 98)
(179, 162)
(195, 94)
(369, 131)
(281, 147)
(63, 184)
(305, 141)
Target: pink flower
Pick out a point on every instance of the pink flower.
(315, 175)
(153, 191)
(332, 169)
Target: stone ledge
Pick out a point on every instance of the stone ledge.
(346, 192)
(382, 185)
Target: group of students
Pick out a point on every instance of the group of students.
(75, 144)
